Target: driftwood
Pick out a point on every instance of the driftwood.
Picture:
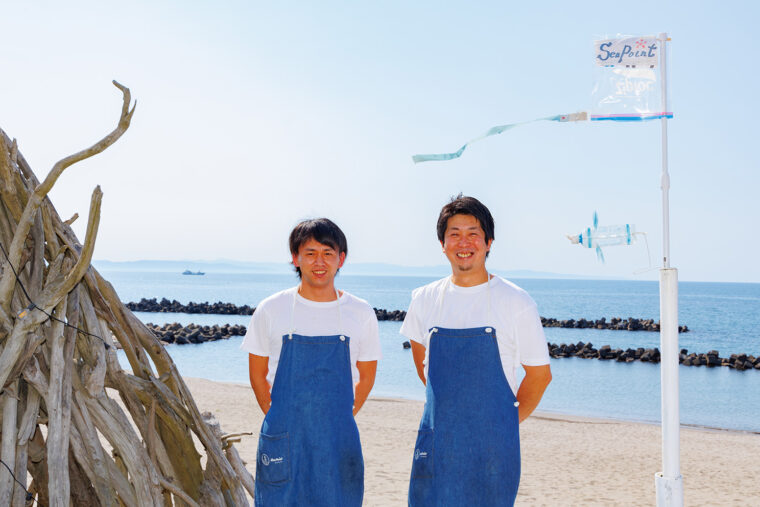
(59, 324)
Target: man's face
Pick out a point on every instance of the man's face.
(464, 243)
(318, 263)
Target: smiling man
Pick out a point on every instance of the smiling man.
(313, 353)
(469, 332)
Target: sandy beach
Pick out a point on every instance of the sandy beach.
(566, 460)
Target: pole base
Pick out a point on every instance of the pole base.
(669, 490)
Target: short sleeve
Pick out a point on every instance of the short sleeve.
(256, 340)
(369, 346)
(530, 334)
(413, 327)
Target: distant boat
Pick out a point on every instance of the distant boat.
(188, 272)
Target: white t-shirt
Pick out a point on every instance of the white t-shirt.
(272, 320)
(513, 314)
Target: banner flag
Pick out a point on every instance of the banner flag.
(627, 80)
(627, 87)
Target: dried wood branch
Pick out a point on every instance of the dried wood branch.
(7, 188)
(57, 359)
(8, 446)
(181, 494)
(35, 200)
(29, 419)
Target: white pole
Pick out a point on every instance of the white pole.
(665, 178)
(669, 482)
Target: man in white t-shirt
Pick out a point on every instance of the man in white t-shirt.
(469, 333)
(313, 353)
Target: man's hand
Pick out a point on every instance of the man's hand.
(258, 367)
(367, 370)
(532, 388)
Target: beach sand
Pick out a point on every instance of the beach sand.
(566, 460)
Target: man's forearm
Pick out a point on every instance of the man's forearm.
(367, 372)
(418, 355)
(258, 368)
(263, 396)
(532, 388)
(361, 392)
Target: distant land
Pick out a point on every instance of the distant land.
(375, 269)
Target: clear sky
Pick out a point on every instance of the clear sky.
(253, 115)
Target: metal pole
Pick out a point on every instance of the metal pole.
(669, 482)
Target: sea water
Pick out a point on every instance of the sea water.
(720, 316)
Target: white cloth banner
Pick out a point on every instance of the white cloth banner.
(627, 80)
(641, 52)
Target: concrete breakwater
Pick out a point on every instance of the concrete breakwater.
(615, 323)
(605, 352)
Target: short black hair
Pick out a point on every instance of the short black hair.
(321, 230)
(464, 205)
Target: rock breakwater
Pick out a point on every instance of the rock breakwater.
(652, 355)
(193, 333)
(153, 305)
(165, 306)
(615, 324)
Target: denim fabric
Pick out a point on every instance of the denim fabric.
(468, 446)
(309, 450)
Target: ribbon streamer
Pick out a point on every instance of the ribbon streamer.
(631, 117)
(582, 116)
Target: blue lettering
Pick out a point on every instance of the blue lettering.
(604, 53)
(626, 51)
(603, 48)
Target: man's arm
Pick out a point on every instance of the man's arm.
(532, 388)
(258, 367)
(367, 370)
(418, 354)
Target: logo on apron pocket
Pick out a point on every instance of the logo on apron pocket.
(273, 464)
(422, 466)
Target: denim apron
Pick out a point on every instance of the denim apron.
(309, 450)
(468, 446)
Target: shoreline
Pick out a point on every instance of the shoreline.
(566, 459)
(592, 419)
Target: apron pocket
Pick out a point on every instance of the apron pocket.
(273, 459)
(422, 466)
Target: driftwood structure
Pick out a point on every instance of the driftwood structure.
(86, 431)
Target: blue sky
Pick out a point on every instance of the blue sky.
(253, 115)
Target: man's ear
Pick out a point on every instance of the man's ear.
(342, 259)
(295, 260)
(488, 246)
(442, 247)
